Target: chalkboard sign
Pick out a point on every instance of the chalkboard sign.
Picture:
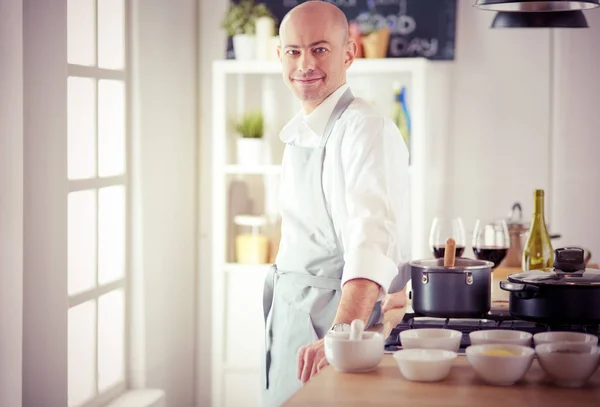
(419, 28)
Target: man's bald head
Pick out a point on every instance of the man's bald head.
(316, 11)
(315, 51)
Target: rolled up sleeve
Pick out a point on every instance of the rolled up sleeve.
(373, 157)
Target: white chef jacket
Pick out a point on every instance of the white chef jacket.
(366, 187)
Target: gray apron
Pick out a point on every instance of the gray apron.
(303, 290)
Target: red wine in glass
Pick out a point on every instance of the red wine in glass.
(493, 254)
(440, 251)
(441, 230)
(491, 241)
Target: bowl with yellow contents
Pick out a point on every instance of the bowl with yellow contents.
(500, 364)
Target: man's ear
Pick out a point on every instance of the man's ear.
(279, 52)
(351, 50)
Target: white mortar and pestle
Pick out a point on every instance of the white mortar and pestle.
(356, 351)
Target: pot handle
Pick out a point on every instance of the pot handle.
(524, 291)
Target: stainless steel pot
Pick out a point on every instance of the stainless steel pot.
(568, 293)
(460, 291)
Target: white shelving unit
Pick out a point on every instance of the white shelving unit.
(237, 325)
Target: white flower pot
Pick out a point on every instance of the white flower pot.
(244, 47)
(250, 151)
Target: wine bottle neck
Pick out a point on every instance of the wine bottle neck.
(538, 209)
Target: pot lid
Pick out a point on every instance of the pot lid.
(569, 270)
(461, 265)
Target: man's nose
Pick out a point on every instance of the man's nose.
(307, 62)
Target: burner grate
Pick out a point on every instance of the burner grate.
(466, 326)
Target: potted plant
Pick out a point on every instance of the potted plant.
(250, 143)
(240, 23)
(375, 34)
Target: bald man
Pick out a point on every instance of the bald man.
(344, 205)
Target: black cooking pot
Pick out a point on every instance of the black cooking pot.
(460, 291)
(568, 293)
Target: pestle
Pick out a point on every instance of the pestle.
(356, 329)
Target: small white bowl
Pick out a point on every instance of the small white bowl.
(497, 369)
(500, 336)
(569, 364)
(559, 336)
(354, 356)
(425, 365)
(431, 338)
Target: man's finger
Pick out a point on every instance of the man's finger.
(315, 366)
(300, 362)
(322, 364)
(309, 356)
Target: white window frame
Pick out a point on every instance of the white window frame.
(95, 183)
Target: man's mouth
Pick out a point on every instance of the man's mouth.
(306, 81)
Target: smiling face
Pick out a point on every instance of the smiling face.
(315, 51)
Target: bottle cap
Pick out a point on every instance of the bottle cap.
(539, 192)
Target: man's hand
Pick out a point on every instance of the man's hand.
(311, 359)
(396, 300)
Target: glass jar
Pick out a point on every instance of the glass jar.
(251, 243)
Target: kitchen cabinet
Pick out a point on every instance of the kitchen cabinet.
(241, 87)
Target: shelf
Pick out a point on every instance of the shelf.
(259, 169)
(246, 268)
(361, 65)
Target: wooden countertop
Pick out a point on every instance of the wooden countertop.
(462, 388)
(387, 387)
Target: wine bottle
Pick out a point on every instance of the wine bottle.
(538, 253)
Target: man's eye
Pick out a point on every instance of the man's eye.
(320, 50)
(292, 52)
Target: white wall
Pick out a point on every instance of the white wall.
(11, 201)
(212, 43)
(576, 136)
(45, 199)
(166, 135)
(501, 116)
(523, 101)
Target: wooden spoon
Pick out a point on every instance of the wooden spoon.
(450, 253)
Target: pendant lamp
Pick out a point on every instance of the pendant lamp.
(537, 13)
(532, 6)
(563, 19)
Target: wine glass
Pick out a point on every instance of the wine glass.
(491, 241)
(441, 230)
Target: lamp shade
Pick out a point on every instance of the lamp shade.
(565, 19)
(535, 6)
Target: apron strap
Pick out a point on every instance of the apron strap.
(340, 107)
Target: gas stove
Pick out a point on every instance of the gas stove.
(497, 318)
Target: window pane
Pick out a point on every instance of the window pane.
(81, 111)
(111, 225)
(111, 34)
(82, 241)
(81, 32)
(82, 353)
(111, 339)
(111, 128)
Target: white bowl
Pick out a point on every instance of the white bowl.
(425, 365)
(431, 338)
(500, 370)
(500, 336)
(569, 364)
(558, 336)
(353, 356)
